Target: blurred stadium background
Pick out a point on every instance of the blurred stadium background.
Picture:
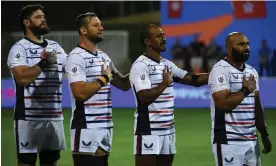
(195, 41)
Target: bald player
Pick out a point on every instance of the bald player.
(152, 78)
(236, 110)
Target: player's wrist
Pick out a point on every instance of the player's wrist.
(102, 80)
(106, 77)
(245, 91)
(42, 64)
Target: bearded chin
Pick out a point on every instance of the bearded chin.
(94, 39)
(239, 57)
(37, 31)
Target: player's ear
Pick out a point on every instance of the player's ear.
(147, 42)
(83, 30)
(228, 48)
(26, 22)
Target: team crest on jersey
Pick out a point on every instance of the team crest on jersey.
(142, 77)
(75, 69)
(221, 79)
(153, 67)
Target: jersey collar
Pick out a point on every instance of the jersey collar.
(95, 54)
(44, 44)
(243, 65)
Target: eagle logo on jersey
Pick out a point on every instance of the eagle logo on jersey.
(33, 52)
(235, 76)
(91, 61)
(142, 77)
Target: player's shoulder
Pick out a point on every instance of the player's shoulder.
(103, 54)
(250, 68)
(22, 43)
(141, 61)
(77, 53)
(221, 65)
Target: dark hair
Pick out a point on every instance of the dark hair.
(144, 34)
(84, 19)
(26, 12)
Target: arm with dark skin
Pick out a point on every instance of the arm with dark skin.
(121, 81)
(195, 80)
(226, 101)
(260, 124)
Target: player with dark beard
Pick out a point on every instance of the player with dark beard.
(36, 65)
(236, 109)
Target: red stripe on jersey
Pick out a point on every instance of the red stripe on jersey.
(165, 97)
(155, 84)
(165, 125)
(248, 137)
(104, 117)
(41, 97)
(159, 112)
(97, 104)
(241, 123)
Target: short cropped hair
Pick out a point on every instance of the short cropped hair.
(84, 19)
(26, 12)
(144, 35)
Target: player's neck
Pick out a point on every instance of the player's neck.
(92, 47)
(31, 36)
(153, 55)
(238, 65)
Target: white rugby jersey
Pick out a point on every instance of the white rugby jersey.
(96, 112)
(158, 117)
(237, 126)
(41, 99)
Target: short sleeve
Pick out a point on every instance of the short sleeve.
(257, 79)
(218, 79)
(177, 73)
(17, 56)
(139, 77)
(75, 68)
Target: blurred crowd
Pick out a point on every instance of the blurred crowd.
(198, 57)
